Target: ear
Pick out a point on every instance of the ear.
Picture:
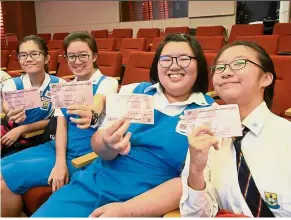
(47, 59)
(95, 57)
(267, 79)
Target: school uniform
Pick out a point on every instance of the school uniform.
(30, 168)
(267, 152)
(23, 82)
(157, 154)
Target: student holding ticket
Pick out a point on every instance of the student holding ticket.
(33, 58)
(251, 174)
(134, 158)
(50, 163)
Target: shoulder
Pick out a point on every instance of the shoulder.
(9, 85)
(283, 124)
(109, 80)
(127, 89)
(55, 79)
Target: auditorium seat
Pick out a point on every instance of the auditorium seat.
(106, 44)
(138, 67)
(211, 44)
(284, 32)
(184, 30)
(11, 41)
(4, 59)
(131, 44)
(119, 34)
(63, 70)
(282, 100)
(46, 36)
(56, 45)
(245, 30)
(53, 62)
(60, 36)
(269, 42)
(156, 42)
(110, 63)
(14, 68)
(100, 33)
(218, 30)
(149, 34)
(210, 62)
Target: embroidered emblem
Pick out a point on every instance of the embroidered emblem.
(272, 200)
(45, 104)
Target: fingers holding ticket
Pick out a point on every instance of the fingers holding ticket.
(116, 138)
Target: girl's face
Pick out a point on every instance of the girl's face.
(177, 79)
(246, 80)
(80, 59)
(31, 58)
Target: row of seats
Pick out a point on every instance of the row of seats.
(210, 44)
(283, 30)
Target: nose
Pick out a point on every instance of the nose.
(227, 72)
(175, 64)
(29, 58)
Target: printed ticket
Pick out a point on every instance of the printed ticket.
(224, 120)
(136, 108)
(27, 98)
(65, 94)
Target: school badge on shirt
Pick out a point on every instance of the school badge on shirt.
(272, 200)
(45, 103)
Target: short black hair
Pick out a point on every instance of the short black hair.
(264, 60)
(83, 36)
(201, 84)
(40, 42)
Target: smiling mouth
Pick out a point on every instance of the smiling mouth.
(176, 75)
(225, 84)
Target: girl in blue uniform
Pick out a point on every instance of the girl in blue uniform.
(136, 158)
(33, 58)
(50, 163)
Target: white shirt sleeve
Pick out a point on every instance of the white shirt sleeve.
(108, 86)
(127, 89)
(9, 86)
(58, 112)
(197, 203)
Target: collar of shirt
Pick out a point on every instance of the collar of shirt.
(94, 78)
(27, 83)
(256, 119)
(197, 98)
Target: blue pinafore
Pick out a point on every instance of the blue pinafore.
(31, 167)
(157, 155)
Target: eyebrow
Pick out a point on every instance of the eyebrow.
(235, 58)
(30, 51)
(79, 52)
(182, 54)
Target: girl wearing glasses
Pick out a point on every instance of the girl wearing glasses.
(249, 175)
(50, 163)
(33, 58)
(136, 158)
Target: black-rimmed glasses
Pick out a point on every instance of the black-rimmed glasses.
(234, 65)
(182, 61)
(83, 57)
(34, 55)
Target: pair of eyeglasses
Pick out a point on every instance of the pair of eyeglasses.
(83, 57)
(182, 61)
(34, 55)
(234, 65)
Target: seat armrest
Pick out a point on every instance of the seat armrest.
(68, 77)
(32, 134)
(84, 160)
(288, 112)
(212, 93)
(3, 68)
(52, 72)
(173, 214)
